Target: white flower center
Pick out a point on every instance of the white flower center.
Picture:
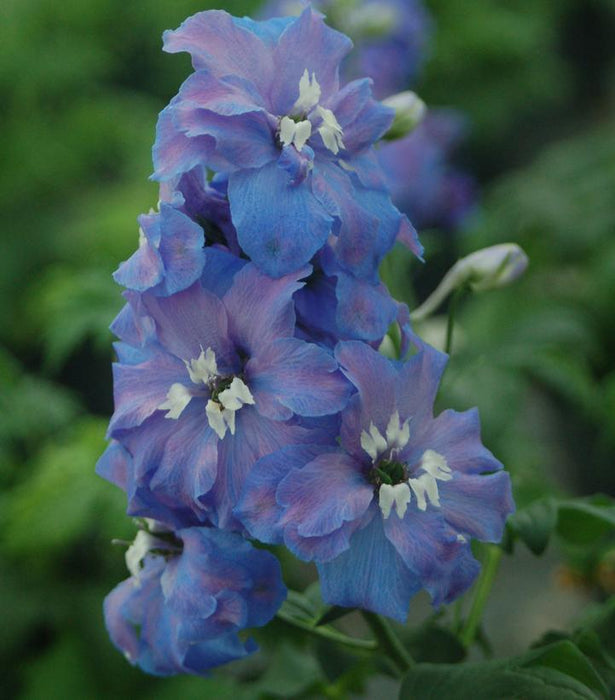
(296, 130)
(220, 411)
(397, 436)
(433, 467)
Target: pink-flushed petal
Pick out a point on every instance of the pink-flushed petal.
(456, 436)
(226, 96)
(191, 321)
(222, 47)
(260, 309)
(306, 44)
(330, 490)
(477, 505)
(139, 390)
(298, 376)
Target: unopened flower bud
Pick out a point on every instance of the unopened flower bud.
(491, 267)
(409, 113)
(488, 268)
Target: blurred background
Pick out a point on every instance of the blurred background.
(529, 89)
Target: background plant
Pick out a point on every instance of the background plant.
(82, 88)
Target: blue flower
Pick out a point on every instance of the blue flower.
(334, 305)
(190, 593)
(390, 37)
(170, 255)
(264, 107)
(393, 509)
(423, 183)
(206, 384)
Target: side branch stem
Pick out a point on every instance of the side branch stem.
(389, 642)
(328, 633)
(493, 554)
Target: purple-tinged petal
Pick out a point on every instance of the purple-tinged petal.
(408, 236)
(456, 436)
(255, 437)
(226, 96)
(370, 575)
(306, 44)
(222, 46)
(244, 140)
(139, 390)
(291, 376)
(280, 233)
(418, 383)
(376, 380)
(363, 120)
(260, 309)
(258, 508)
(191, 321)
(131, 324)
(367, 223)
(114, 464)
(477, 505)
(178, 457)
(143, 269)
(364, 311)
(329, 491)
(173, 152)
(322, 548)
(431, 549)
(181, 249)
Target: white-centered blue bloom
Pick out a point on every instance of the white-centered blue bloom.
(189, 595)
(264, 107)
(206, 384)
(393, 508)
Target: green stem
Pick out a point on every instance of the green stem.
(493, 554)
(388, 641)
(452, 310)
(328, 633)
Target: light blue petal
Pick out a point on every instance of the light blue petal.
(369, 575)
(279, 225)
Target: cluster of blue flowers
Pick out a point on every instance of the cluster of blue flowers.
(251, 401)
(391, 42)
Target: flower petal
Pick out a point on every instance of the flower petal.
(298, 376)
(369, 575)
(279, 234)
(477, 505)
(260, 309)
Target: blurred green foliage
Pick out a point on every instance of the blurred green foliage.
(82, 84)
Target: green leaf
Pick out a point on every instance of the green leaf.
(290, 672)
(534, 524)
(558, 671)
(584, 520)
